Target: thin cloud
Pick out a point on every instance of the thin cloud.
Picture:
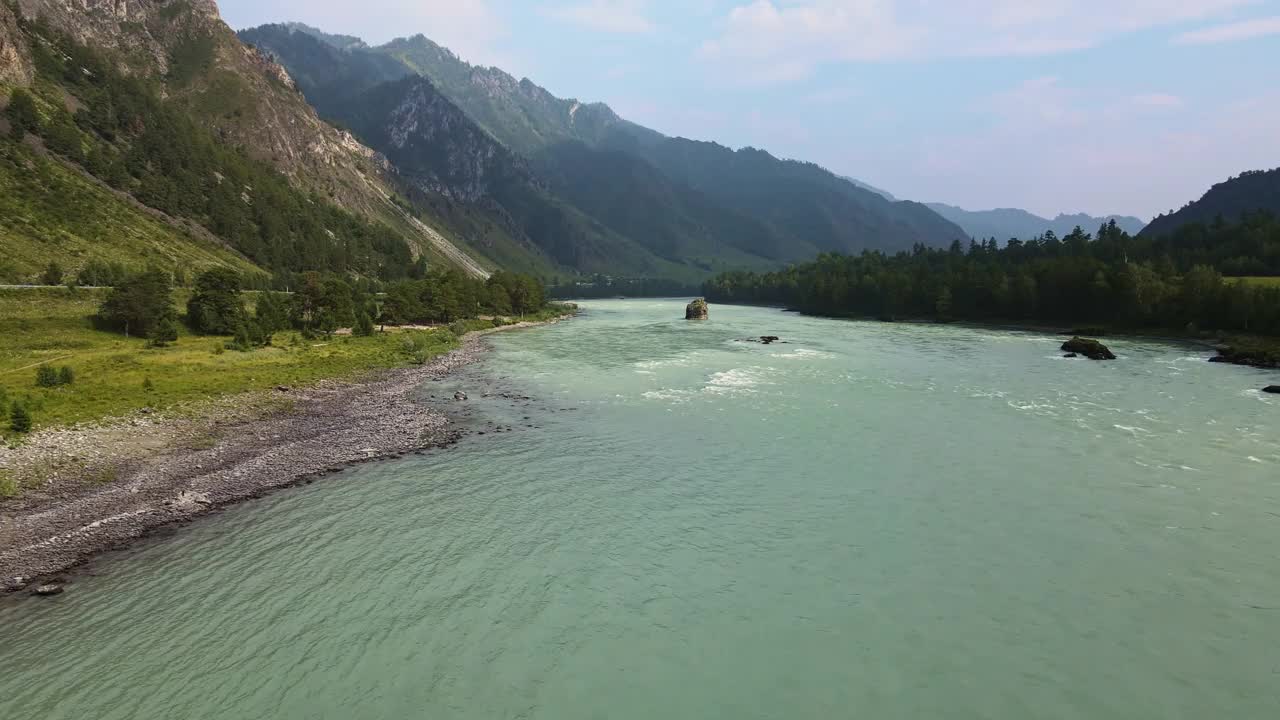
(611, 16)
(1231, 32)
(1157, 100)
(811, 33)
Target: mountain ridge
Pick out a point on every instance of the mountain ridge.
(1248, 192)
(1005, 223)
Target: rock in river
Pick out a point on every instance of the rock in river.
(1091, 349)
(1273, 389)
(697, 310)
(46, 590)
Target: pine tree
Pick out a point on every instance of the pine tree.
(19, 418)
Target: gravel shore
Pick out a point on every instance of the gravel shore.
(155, 472)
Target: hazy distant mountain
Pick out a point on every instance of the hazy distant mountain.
(1249, 192)
(1005, 223)
(867, 186)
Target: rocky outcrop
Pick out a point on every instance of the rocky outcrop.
(1259, 356)
(15, 65)
(696, 310)
(1091, 349)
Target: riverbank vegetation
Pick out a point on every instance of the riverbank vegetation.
(227, 340)
(1111, 279)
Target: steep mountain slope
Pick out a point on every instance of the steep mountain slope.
(1005, 223)
(1247, 193)
(831, 213)
(707, 215)
(248, 103)
(443, 153)
(51, 211)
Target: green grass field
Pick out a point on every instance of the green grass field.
(1261, 281)
(51, 325)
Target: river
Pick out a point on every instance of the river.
(870, 520)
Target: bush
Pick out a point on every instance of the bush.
(8, 486)
(19, 418)
(147, 385)
(49, 376)
(46, 376)
(52, 274)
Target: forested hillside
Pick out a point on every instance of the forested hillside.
(228, 125)
(1111, 279)
(1225, 202)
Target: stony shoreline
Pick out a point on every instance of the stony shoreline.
(192, 467)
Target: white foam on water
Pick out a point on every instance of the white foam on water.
(1132, 429)
(801, 353)
(1254, 459)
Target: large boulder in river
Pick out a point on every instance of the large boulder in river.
(1273, 389)
(1091, 349)
(696, 310)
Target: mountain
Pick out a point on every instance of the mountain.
(791, 210)
(155, 108)
(1249, 192)
(867, 186)
(1005, 223)
(438, 149)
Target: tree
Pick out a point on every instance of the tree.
(137, 304)
(215, 307)
(52, 274)
(272, 312)
(943, 304)
(363, 326)
(164, 330)
(23, 117)
(19, 418)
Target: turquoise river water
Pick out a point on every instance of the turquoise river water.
(871, 520)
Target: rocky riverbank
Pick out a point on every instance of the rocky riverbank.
(119, 481)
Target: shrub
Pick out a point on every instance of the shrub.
(8, 486)
(52, 274)
(147, 385)
(19, 418)
(46, 376)
(66, 375)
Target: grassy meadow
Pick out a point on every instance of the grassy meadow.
(115, 375)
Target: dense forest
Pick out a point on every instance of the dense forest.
(119, 129)
(1111, 278)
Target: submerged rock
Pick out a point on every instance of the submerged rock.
(696, 310)
(1091, 349)
(47, 590)
(1273, 389)
(769, 339)
(1071, 355)
(459, 396)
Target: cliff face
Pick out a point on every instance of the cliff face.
(15, 65)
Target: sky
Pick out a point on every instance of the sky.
(1131, 107)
